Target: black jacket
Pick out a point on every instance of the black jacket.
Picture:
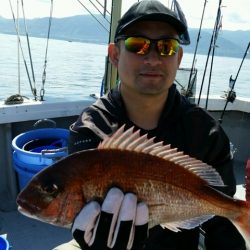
(183, 125)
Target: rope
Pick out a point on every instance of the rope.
(103, 14)
(92, 15)
(14, 99)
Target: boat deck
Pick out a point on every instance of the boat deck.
(28, 234)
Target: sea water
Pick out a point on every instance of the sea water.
(75, 70)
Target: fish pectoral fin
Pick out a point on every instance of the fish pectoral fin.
(176, 226)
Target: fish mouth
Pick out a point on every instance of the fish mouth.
(26, 212)
(34, 212)
(33, 216)
(27, 208)
(42, 219)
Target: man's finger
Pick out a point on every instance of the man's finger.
(142, 214)
(124, 233)
(141, 226)
(101, 232)
(84, 222)
(104, 229)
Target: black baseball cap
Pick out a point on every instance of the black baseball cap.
(151, 10)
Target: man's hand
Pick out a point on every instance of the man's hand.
(120, 223)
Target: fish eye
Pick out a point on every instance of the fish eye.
(51, 189)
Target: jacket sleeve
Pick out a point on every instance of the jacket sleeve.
(82, 139)
(91, 127)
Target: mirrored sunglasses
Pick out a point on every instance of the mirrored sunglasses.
(142, 45)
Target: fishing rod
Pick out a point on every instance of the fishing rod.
(231, 94)
(205, 70)
(18, 52)
(209, 52)
(191, 85)
(30, 56)
(42, 90)
(217, 28)
(21, 48)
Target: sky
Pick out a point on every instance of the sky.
(235, 12)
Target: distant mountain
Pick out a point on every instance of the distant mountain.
(82, 28)
(229, 43)
(85, 28)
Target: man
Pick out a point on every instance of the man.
(147, 54)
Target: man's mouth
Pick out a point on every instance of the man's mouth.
(151, 74)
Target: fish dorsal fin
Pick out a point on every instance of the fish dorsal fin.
(132, 141)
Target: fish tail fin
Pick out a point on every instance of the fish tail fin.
(242, 223)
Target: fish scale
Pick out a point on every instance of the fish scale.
(176, 187)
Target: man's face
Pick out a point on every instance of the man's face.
(151, 73)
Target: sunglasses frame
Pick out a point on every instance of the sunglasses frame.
(151, 43)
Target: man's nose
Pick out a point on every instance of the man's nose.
(153, 57)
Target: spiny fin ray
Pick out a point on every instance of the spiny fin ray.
(132, 141)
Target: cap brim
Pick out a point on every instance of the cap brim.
(178, 25)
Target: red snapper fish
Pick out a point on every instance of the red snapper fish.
(177, 188)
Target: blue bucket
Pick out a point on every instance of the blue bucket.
(25, 171)
(41, 154)
(4, 244)
(37, 149)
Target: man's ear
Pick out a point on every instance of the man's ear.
(113, 52)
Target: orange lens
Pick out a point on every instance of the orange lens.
(138, 45)
(168, 47)
(141, 45)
